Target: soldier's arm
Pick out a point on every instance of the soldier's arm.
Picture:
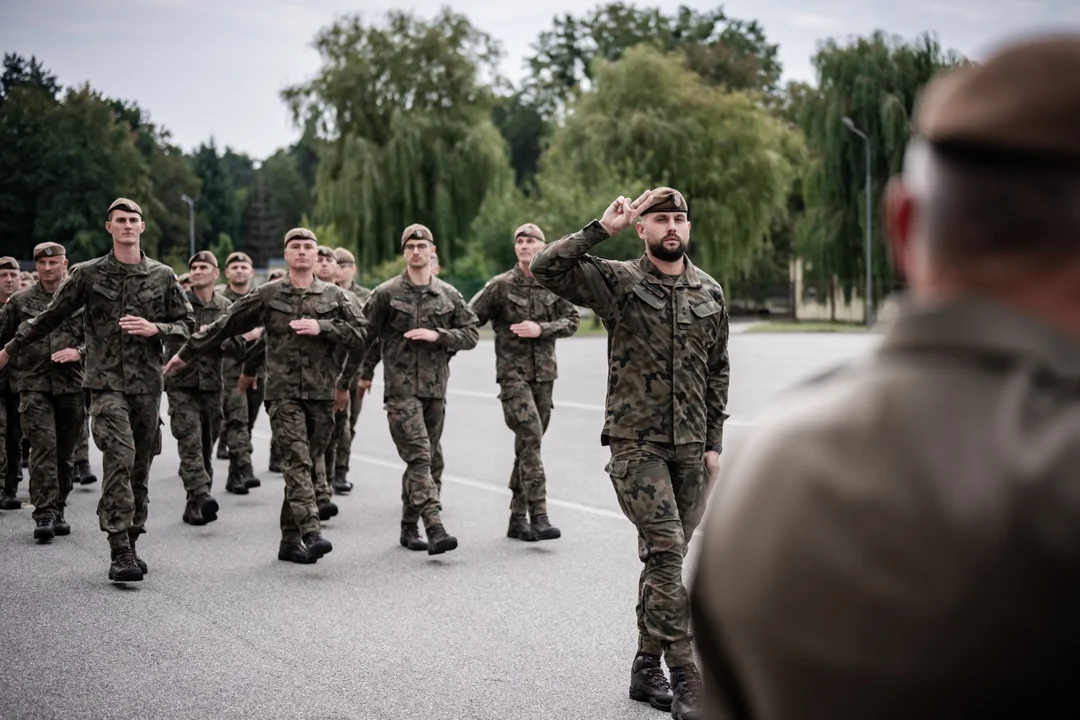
(484, 302)
(375, 314)
(356, 326)
(9, 322)
(566, 268)
(254, 359)
(566, 325)
(716, 391)
(348, 327)
(371, 360)
(464, 334)
(243, 315)
(179, 315)
(69, 297)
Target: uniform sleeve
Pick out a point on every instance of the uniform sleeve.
(484, 302)
(566, 325)
(179, 315)
(465, 333)
(716, 391)
(375, 314)
(348, 327)
(242, 316)
(254, 358)
(69, 297)
(9, 322)
(566, 268)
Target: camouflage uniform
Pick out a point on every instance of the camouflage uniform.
(345, 422)
(123, 373)
(51, 399)
(414, 377)
(195, 399)
(10, 433)
(301, 375)
(240, 410)
(525, 369)
(666, 398)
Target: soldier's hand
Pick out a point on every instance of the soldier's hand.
(423, 334)
(306, 326)
(174, 364)
(712, 469)
(252, 335)
(362, 386)
(246, 382)
(203, 327)
(341, 400)
(133, 325)
(66, 355)
(527, 329)
(622, 212)
(3, 358)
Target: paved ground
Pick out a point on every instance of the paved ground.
(496, 629)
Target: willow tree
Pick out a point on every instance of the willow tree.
(874, 81)
(650, 118)
(400, 113)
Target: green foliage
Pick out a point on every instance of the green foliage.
(373, 276)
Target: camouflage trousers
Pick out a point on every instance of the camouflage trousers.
(53, 421)
(240, 411)
(527, 410)
(661, 488)
(416, 426)
(302, 429)
(127, 430)
(11, 436)
(344, 432)
(82, 446)
(195, 420)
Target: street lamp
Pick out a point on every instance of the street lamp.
(191, 221)
(869, 289)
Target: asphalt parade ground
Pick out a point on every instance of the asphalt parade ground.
(498, 628)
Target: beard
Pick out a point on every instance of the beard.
(662, 252)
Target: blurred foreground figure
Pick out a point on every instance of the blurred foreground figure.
(902, 539)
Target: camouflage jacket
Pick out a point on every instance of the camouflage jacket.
(414, 367)
(667, 340)
(108, 290)
(298, 367)
(361, 293)
(232, 359)
(33, 368)
(514, 297)
(204, 372)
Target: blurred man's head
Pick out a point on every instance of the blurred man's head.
(50, 262)
(346, 266)
(203, 270)
(326, 265)
(239, 269)
(9, 277)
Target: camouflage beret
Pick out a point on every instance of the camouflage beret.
(124, 204)
(1020, 103)
(48, 249)
(186, 277)
(237, 257)
(9, 263)
(275, 274)
(665, 199)
(299, 234)
(417, 231)
(204, 256)
(325, 251)
(530, 230)
(344, 256)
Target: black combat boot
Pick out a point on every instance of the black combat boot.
(341, 485)
(438, 541)
(208, 507)
(247, 474)
(686, 693)
(275, 459)
(8, 501)
(124, 568)
(410, 537)
(542, 529)
(135, 554)
(316, 545)
(83, 473)
(235, 482)
(193, 512)
(519, 528)
(60, 525)
(222, 450)
(327, 509)
(648, 683)
(295, 552)
(44, 529)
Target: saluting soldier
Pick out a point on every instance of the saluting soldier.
(527, 319)
(900, 538)
(667, 393)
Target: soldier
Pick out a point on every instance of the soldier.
(275, 455)
(417, 321)
(303, 320)
(326, 271)
(527, 319)
(337, 457)
(240, 409)
(131, 302)
(50, 377)
(864, 543)
(26, 280)
(667, 392)
(195, 394)
(10, 434)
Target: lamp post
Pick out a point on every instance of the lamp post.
(869, 287)
(191, 221)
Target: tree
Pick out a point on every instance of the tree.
(400, 115)
(216, 204)
(874, 81)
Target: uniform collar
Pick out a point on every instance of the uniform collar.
(520, 278)
(410, 285)
(690, 276)
(317, 286)
(141, 267)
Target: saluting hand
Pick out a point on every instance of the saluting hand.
(174, 364)
(422, 334)
(134, 325)
(622, 212)
(526, 329)
(306, 326)
(66, 355)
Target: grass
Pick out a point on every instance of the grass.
(789, 326)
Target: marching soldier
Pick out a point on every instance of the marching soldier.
(10, 434)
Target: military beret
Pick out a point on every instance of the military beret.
(1021, 103)
(416, 231)
(48, 249)
(344, 256)
(124, 204)
(9, 263)
(325, 251)
(186, 277)
(237, 257)
(204, 256)
(530, 230)
(299, 234)
(665, 199)
(275, 274)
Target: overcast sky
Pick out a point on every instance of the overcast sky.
(207, 68)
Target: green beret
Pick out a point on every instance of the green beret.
(416, 231)
(665, 199)
(48, 249)
(530, 230)
(124, 204)
(237, 257)
(9, 263)
(299, 234)
(204, 256)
